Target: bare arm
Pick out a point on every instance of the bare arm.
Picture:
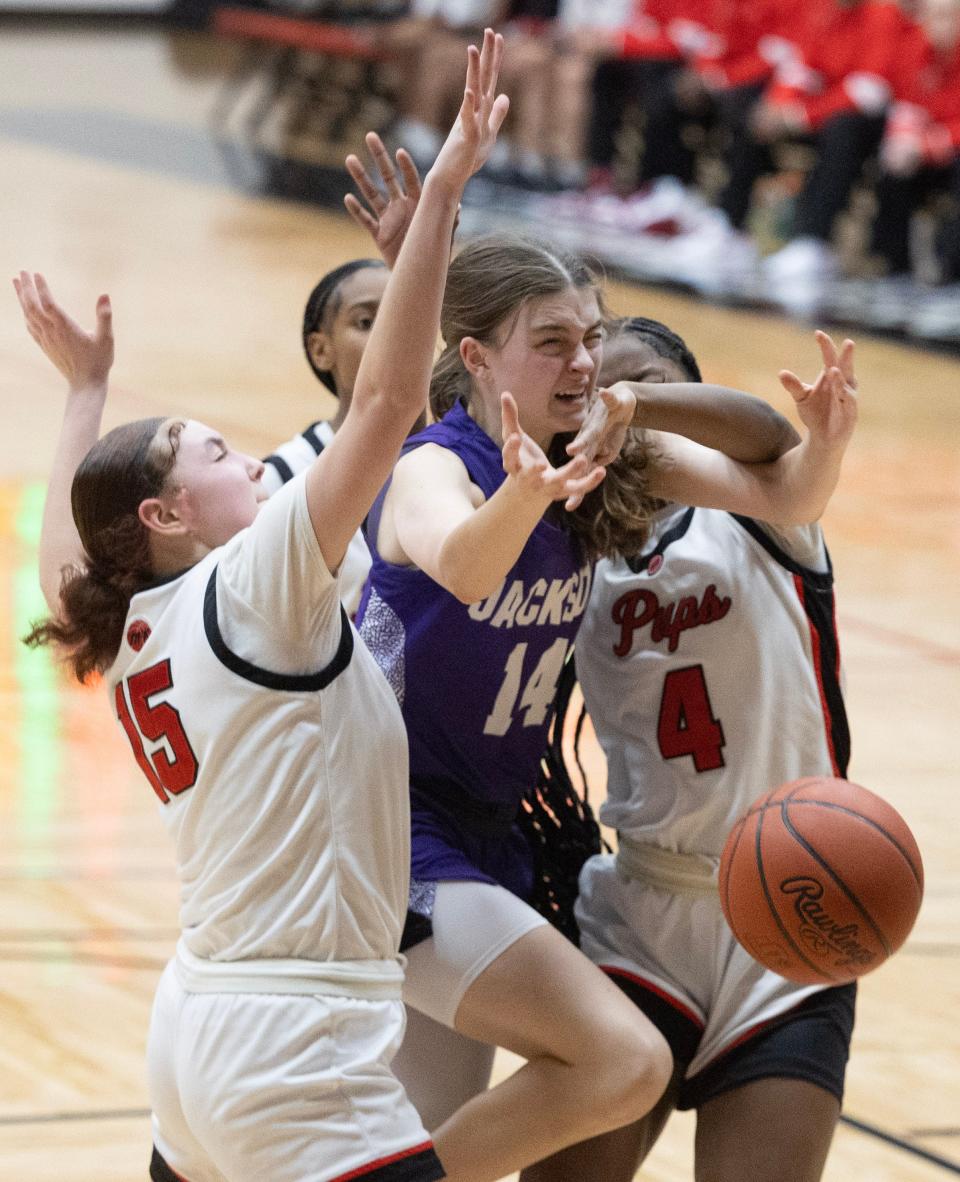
(739, 425)
(394, 376)
(792, 490)
(84, 359)
(437, 520)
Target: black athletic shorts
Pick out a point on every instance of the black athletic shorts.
(810, 1042)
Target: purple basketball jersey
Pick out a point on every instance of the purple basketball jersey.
(476, 684)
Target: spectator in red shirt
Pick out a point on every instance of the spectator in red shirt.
(836, 96)
(920, 156)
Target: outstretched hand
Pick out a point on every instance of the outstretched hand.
(604, 428)
(525, 461)
(84, 358)
(481, 116)
(389, 216)
(828, 406)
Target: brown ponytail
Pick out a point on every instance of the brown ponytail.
(127, 466)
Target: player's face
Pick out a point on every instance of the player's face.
(548, 360)
(215, 489)
(339, 347)
(626, 358)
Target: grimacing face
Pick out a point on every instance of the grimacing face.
(548, 357)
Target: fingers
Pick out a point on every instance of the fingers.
(509, 415)
(846, 363)
(488, 62)
(47, 301)
(384, 164)
(361, 215)
(411, 177)
(797, 390)
(501, 108)
(364, 182)
(471, 89)
(828, 350)
(104, 319)
(578, 489)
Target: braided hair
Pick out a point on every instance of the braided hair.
(557, 821)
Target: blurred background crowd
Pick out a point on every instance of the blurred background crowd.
(803, 154)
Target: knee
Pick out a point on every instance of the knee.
(637, 1070)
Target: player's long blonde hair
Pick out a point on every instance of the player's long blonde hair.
(487, 284)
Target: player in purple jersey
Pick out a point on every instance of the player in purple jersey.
(478, 584)
(761, 1060)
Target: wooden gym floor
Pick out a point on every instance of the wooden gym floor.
(111, 184)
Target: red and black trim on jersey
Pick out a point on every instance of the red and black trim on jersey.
(290, 682)
(640, 563)
(815, 592)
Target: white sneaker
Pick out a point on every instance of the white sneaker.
(666, 200)
(938, 318)
(799, 277)
(713, 258)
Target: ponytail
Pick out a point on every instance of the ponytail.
(126, 467)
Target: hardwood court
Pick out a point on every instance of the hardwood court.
(109, 186)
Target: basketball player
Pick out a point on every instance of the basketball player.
(271, 740)
(477, 588)
(710, 668)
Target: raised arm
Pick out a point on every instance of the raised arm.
(84, 358)
(792, 490)
(394, 376)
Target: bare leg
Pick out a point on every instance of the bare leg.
(593, 1063)
(772, 1130)
(613, 1157)
(439, 1068)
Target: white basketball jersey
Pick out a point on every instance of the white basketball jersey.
(275, 746)
(710, 668)
(294, 457)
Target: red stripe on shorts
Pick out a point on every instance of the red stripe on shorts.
(379, 1164)
(616, 971)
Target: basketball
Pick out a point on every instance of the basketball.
(821, 880)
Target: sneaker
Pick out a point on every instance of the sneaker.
(714, 259)
(938, 317)
(799, 277)
(884, 304)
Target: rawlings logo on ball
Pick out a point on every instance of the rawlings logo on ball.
(819, 930)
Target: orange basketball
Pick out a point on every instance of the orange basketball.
(821, 881)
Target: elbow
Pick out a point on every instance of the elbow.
(466, 589)
(783, 435)
(465, 585)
